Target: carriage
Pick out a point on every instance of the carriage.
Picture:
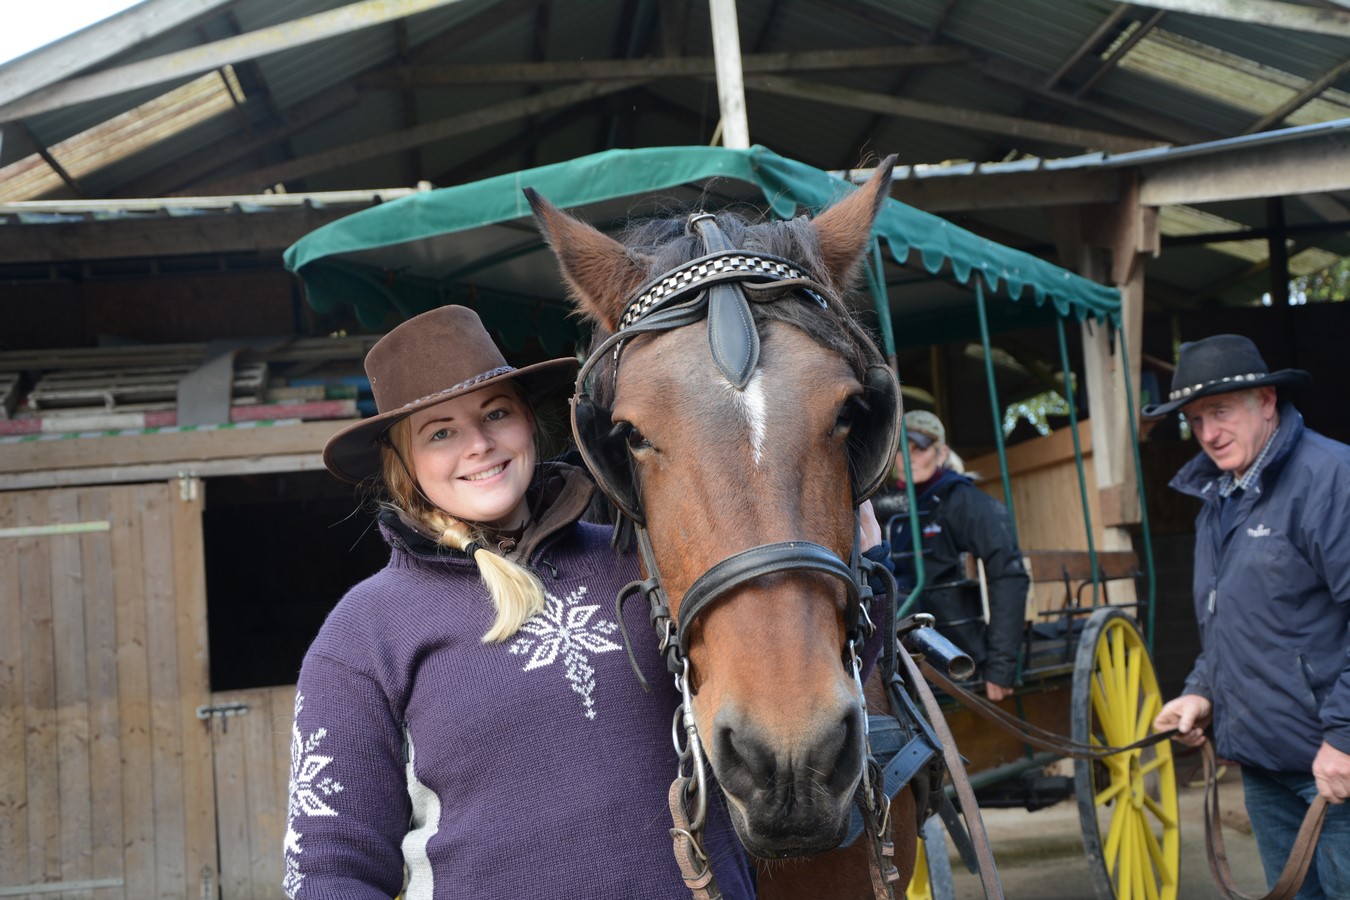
(1085, 662)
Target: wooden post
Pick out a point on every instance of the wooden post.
(1108, 243)
(730, 79)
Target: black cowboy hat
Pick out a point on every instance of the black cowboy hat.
(1218, 365)
(429, 359)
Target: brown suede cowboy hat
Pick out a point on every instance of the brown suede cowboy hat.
(429, 359)
(1219, 365)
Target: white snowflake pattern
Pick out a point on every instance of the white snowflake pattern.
(308, 792)
(568, 628)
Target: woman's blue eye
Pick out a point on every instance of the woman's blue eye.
(496, 414)
(441, 435)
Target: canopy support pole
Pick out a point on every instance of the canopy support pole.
(730, 79)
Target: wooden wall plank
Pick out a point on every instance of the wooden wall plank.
(72, 691)
(267, 787)
(133, 682)
(166, 739)
(194, 680)
(183, 447)
(13, 780)
(105, 752)
(232, 812)
(44, 850)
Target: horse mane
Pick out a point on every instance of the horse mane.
(663, 243)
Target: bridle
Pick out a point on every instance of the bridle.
(719, 288)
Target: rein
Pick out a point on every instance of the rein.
(1300, 856)
(718, 288)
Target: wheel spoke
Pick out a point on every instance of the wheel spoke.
(1130, 702)
(1106, 796)
(1166, 820)
(1148, 709)
(1111, 849)
(1150, 859)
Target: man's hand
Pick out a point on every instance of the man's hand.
(996, 692)
(1331, 771)
(1189, 714)
(871, 528)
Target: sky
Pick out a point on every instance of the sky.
(29, 25)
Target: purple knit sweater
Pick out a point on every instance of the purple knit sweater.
(532, 768)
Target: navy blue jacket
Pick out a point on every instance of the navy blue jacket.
(1272, 596)
(957, 517)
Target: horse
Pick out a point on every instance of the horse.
(740, 415)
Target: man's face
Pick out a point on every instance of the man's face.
(1232, 428)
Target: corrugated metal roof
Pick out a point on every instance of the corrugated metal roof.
(1187, 78)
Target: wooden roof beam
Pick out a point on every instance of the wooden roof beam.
(1294, 16)
(1293, 167)
(969, 119)
(204, 58)
(442, 129)
(401, 77)
(1118, 54)
(90, 46)
(1101, 31)
(1313, 88)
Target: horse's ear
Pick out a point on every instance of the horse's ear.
(846, 227)
(599, 270)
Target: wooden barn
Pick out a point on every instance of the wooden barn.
(169, 539)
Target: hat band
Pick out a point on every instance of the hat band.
(1187, 391)
(492, 373)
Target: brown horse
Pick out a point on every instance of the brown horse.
(731, 450)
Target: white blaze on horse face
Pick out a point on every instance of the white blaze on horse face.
(751, 404)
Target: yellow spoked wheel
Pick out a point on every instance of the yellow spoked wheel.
(1127, 803)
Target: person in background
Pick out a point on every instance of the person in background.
(1272, 596)
(466, 721)
(956, 518)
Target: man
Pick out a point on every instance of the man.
(1272, 596)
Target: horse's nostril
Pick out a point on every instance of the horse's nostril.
(747, 761)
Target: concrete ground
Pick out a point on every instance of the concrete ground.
(1040, 854)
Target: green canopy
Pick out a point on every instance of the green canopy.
(476, 243)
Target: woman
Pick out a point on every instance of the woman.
(957, 518)
(466, 721)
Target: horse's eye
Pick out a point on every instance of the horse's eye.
(630, 435)
(848, 414)
(635, 439)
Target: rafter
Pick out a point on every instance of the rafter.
(1293, 16)
(372, 148)
(206, 57)
(666, 67)
(90, 46)
(974, 120)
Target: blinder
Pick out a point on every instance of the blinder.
(605, 453)
(875, 437)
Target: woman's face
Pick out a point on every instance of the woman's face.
(474, 456)
(924, 461)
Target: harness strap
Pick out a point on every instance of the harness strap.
(766, 559)
(695, 868)
(1031, 734)
(1300, 856)
(993, 890)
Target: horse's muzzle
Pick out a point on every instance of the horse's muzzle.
(790, 797)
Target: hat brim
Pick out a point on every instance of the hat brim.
(1284, 378)
(923, 439)
(353, 454)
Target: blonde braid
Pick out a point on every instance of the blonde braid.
(515, 591)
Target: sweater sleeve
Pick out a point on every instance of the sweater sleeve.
(349, 807)
(985, 529)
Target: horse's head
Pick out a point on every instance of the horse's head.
(731, 449)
